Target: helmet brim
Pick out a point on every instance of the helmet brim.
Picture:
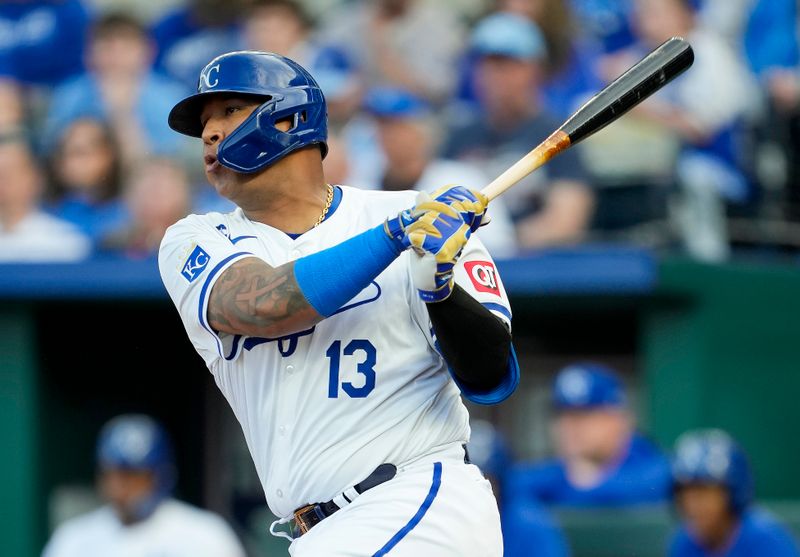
(185, 116)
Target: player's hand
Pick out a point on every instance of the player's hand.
(438, 235)
(471, 204)
(395, 227)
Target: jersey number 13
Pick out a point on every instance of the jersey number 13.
(356, 348)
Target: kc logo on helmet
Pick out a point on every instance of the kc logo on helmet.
(483, 276)
(206, 77)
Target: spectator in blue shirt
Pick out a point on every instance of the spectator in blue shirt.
(713, 488)
(601, 460)
(122, 89)
(554, 205)
(86, 176)
(41, 42)
(192, 34)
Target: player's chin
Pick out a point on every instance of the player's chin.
(221, 178)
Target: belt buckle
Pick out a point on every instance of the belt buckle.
(301, 523)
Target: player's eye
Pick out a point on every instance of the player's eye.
(231, 109)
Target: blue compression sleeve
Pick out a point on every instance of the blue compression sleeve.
(332, 277)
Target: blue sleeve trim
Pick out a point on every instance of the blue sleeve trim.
(502, 391)
(330, 278)
(201, 315)
(499, 308)
(426, 504)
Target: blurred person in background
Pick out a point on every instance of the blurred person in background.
(157, 195)
(136, 475)
(284, 27)
(407, 132)
(120, 88)
(42, 41)
(525, 528)
(601, 460)
(709, 110)
(85, 177)
(713, 491)
(26, 232)
(605, 23)
(570, 75)
(279, 26)
(41, 44)
(411, 44)
(192, 33)
(554, 205)
(772, 46)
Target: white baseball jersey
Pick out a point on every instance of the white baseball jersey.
(322, 408)
(175, 529)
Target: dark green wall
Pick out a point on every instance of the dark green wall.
(20, 505)
(721, 348)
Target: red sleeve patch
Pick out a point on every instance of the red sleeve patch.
(483, 276)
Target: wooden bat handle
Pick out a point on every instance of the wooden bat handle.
(546, 150)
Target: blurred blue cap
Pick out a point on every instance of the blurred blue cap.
(695, 4)
(395, 103)
(506, 34)
(587, 385)
(334, 71)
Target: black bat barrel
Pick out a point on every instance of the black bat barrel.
(660, 67)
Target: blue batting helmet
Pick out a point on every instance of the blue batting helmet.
(137, 442)
(587, 385)
(288, 92)
(712, 456)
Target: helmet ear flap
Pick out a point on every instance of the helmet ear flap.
(258, 142)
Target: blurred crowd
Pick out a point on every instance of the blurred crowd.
(420, 93)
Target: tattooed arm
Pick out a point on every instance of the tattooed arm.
(251, 298)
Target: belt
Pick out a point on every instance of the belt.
(309, 516)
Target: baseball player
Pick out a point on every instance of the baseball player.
(601, 460)
(136, 476)
(713, 489)
(342, 353)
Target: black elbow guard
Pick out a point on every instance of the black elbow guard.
(475, 343)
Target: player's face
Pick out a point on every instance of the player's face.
(705, 508)
(125, 489)
(596, 435)
(658, 20)
(506, 85)
(220, 116)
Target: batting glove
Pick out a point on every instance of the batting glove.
(395, 228)
(438, 235)
(470, 203)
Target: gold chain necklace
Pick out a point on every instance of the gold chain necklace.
(328, 202)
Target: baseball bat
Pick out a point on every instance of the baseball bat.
(649, 75)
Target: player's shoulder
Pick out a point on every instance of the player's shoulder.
(184, 515)
(377, 196)
(196, 227)
(763, 524)
(536, 473)
(682, 545)
(198, 223)
(207, 529)
(86, 526)
(378, 199)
